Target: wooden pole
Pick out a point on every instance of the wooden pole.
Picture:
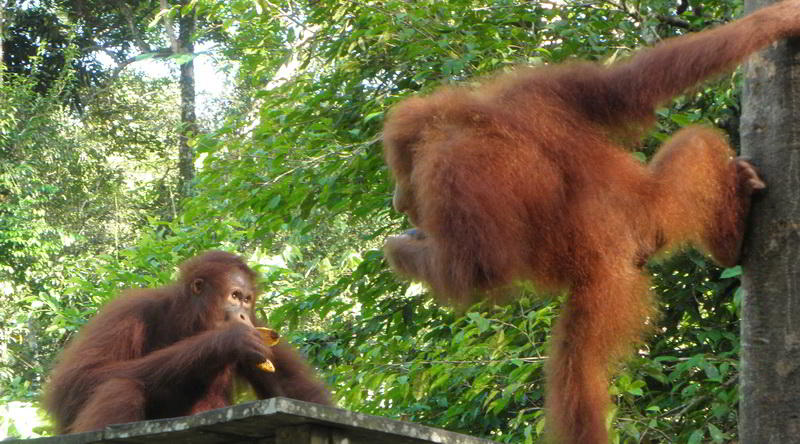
(769, 408)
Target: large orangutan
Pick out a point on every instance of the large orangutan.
(524, 178)
(173, 351)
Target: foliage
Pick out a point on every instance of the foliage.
(293, 178)
(37, 185)
(39, 44)
(64, 198)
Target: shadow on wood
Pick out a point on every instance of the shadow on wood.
(271, 421)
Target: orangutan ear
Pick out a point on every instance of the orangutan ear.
(197, 286)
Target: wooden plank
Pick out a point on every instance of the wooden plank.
(262, 422)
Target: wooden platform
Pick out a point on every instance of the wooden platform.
(271, 421)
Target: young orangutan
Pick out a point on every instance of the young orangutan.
(523, 178)
(174, 351)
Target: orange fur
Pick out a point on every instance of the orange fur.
(523, 178)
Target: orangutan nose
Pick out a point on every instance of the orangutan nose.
(244, 319)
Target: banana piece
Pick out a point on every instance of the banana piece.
(267, 366)
(270, 338)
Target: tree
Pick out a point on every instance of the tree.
(185, 45)
(3, 13)
(125, 32)
(139, 18)
(37, 43)
(770, 380)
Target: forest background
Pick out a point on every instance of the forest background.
(111, 174)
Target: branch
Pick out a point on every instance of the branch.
(674, 21)
(162, 53)
(137, 37)
(169, 27)
(158, 54)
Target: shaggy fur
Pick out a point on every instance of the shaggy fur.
(173, 351)
(524, 178)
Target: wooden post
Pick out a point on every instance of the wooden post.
(769, 407)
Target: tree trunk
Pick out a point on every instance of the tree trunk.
(3, 5)
(769, 408)
(188, 117)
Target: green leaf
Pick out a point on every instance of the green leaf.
(731, 272)
(716, 434)
(274, 202)
(482, 323)
(640, 156)
(372, 116)
(637, 391)
(712, 372)
(696, 437)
